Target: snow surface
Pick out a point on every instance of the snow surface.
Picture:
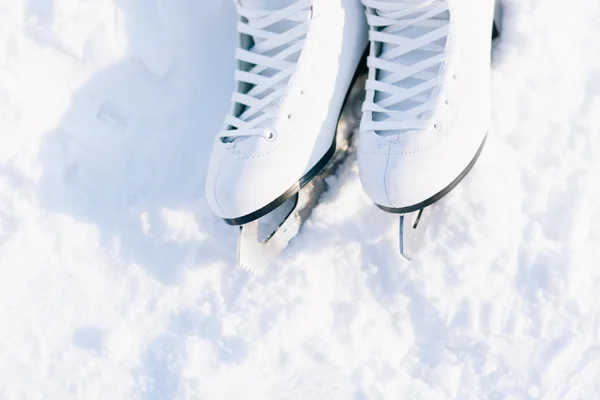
(117, 282)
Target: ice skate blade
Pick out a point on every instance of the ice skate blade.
(263, 240)
(412, 231)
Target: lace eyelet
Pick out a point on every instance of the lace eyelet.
(270, 136)
(290, 116)
(437, 126)
(455, 77)
(447, 102)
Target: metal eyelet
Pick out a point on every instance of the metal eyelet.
(226, 141)
(271, 135)
(290, 116)
(447, 102)
(437, 126)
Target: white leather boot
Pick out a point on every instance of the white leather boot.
(427, 109)
(297, 60)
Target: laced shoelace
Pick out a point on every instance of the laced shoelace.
(397, 105)
(273, 61)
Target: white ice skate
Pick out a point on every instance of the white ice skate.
(297, 60)
(427, 108)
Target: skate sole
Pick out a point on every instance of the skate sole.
(441, 194)
(314, 171)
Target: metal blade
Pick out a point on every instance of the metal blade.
(412, 231)
(262, 241)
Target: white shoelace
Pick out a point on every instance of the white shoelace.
(278, 37)
(408, 67)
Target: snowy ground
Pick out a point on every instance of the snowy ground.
(119, 283)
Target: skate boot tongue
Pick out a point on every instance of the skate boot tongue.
(407, 12)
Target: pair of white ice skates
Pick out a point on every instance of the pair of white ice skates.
(424, 120)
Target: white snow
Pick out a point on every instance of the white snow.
(117, 282)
